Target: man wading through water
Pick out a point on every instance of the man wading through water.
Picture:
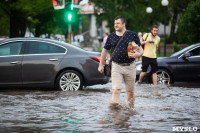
(151, 41)
(123, 66)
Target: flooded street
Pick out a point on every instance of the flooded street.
(156, 110)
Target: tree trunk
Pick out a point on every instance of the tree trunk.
(17, 24)
(37, 31)
(49, 35)
(173, 25)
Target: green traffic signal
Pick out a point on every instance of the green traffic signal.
(69, 16)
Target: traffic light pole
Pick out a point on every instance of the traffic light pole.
(69, 32)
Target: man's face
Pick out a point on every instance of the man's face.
(119, 26)
(154, 31)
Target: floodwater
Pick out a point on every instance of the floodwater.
(156, 110)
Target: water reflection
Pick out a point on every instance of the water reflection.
(120, 118)
(156, 110)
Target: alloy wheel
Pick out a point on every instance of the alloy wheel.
(163, 77)
(70, 82)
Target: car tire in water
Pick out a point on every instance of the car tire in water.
(163, 77)
(69, 80)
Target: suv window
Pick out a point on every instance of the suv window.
(12, 48)
(43, 48)
(195, 52)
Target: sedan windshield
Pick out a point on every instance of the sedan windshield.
(182, 51)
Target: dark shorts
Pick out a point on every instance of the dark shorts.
(149, 61)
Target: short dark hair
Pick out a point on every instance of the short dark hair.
(122, 19)
(154, 26)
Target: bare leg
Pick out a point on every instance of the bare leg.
(115, 97)
(154, 79)
(130, 98)
(142, 74)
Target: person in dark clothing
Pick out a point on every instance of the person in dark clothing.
(123, 66)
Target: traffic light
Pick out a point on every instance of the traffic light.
(70, 13)
(55, 3)
(76, 1)
(69, 16)
(58, 4)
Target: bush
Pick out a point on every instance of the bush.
(188, 30)
(175, 47)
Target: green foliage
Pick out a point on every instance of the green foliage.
(38, 16)
(175, 47)
(134, 11)
(162, 54)
(4, 27)
(189, 26)
(137, 18)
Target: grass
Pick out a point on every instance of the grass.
(162, 54)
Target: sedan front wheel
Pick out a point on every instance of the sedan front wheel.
(70, 80)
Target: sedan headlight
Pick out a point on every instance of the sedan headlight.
(139, 67)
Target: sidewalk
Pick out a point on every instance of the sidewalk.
(88, 48)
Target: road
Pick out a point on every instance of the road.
(163, 109)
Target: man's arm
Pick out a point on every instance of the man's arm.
(157, 45)
(143, 42)
(144, 39)
(156, 49)
(103, 56)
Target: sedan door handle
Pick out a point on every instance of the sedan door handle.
(53, 59)
(14, 62)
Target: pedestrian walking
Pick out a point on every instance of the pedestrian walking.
(123, 66)
(105, 39)
(95, 44)
(150, 42)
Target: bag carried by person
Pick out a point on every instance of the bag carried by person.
(107, 70)
(107, 67)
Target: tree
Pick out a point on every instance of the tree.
(177, 7)
(17, 21)
(134, 11)
(189, 26)
(4, 27)
(38, 15)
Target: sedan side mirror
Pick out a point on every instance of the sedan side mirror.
(186, 55)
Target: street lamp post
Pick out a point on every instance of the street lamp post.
(164, 3)
(69, 32)
(149, 11)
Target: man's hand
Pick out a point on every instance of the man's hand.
(103, 56)
(135, 54)
(100, 68)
